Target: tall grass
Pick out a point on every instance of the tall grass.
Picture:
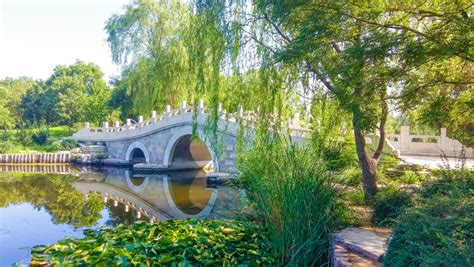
(290, 189)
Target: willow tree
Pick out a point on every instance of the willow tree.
(368, 55)
(146, 40)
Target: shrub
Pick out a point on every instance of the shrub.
(5, 136)
(355, 197)
(389, 204)
(437, 231)
(41, 136)
(410, 177)
(291, 192)
(5, 147)
(352, 176)
(65, 144)
(341, 156)
(54, 146)
(69, 144)
(167, 243)
(23, 137)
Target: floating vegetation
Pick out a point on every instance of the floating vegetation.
(175, 243)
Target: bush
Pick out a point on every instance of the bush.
(41, 136)
(23, 137)
(340, 157)
(5, 136)
(352, 176)
(69, 144)
(291, 192)
(389, 204)
(410, 177)
(355, 197)
(65, 144)
(55, 146)
(438, 230)
(167, 243)
(5, 147)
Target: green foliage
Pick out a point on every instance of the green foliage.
(174, 243)
(389, 203)
(292, 195)
(5, 147)
(410, 177)
(63, 144)
(60, 131)
(11, 93)
(355, 197)
(73, 93)
(438, 230)
(55, 194)
(23, 137)
(351, 176)
(40, 136)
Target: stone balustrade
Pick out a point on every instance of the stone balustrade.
(295, 126)
(432, 145)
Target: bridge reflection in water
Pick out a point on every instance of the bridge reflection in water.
(175, 195)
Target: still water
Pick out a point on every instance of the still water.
(41, 205)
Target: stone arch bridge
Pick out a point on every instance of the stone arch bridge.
(164, 141)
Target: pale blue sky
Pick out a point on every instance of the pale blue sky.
(37, 35)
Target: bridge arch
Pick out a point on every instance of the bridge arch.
(137, 153)
(177, 212)
(136, 185)
(181, 147)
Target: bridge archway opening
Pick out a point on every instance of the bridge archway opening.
(137, 156)
(191, 154)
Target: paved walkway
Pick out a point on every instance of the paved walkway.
(353, 247)
(435, 162)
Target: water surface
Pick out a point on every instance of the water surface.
(42, 208)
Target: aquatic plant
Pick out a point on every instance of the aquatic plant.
(175, 243)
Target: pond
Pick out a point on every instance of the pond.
(43, 204)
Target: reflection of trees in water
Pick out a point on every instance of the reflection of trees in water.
(117, 215)
(55, 194)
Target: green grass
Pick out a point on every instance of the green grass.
(61, 131)
(291, 193)
(15, 145)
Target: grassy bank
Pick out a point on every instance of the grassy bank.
(35, 140)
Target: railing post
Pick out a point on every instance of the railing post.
(405, 138)
(296, 120)
(443, 139)
(219, 108)
(117, 124)
(87, 125)
(241, 111)
(200, 105)
(153, 114)
(168, 109)
(105, 124)
(183, 105)
(140, 119)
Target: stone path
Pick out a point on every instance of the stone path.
(359, 246)
(435, 162)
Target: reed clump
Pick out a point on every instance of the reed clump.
(290, 190)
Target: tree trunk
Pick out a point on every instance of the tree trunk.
(367, 163)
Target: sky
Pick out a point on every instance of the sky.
(37, 35)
